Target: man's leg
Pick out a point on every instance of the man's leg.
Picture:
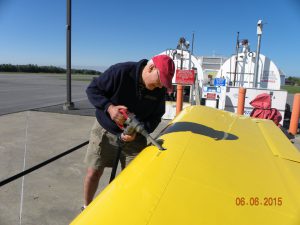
(91, 182)
(92, 160)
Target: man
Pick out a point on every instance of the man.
(138, 87)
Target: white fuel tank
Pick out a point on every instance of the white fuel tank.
(268, 73)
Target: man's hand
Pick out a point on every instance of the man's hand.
(128, 138)
(115, 114)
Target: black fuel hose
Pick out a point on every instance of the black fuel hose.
(21, 174)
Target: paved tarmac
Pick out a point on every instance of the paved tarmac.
(52, 195)
(20, 92)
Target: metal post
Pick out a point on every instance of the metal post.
(193, 87)
(241, 101)
(193, 44)
(259, 33)
(181, 58)
(69, 105)
(236, 57)
(295, 115)
(179, 96)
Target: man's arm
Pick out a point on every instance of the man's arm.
(102, 88)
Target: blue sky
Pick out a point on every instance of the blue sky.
(111, 31)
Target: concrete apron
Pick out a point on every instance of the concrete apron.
(52, 194)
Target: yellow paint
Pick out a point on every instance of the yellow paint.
(214, 160)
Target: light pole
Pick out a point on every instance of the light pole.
(69, 105)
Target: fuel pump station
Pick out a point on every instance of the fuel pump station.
(214, 96)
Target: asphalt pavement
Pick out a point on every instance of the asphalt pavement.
(20, 92)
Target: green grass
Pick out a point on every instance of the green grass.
(291, 89)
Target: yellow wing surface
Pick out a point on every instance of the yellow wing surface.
(219, 168)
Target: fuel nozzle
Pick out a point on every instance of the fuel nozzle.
(132, 125)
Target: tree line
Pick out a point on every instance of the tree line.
(32, 68)
(293, 81)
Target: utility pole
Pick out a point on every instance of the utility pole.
(259, 33)
(69, 105)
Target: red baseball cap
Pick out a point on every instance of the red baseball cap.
(166, 68)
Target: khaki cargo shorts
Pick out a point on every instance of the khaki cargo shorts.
(103, 147)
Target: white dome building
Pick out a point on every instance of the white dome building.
(268, 73)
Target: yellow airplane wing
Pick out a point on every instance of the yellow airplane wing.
(219, 168)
